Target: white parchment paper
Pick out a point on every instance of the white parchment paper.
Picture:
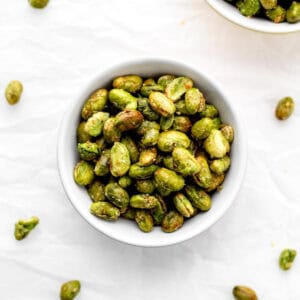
(53, 52)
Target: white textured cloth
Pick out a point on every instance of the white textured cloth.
(53, 52)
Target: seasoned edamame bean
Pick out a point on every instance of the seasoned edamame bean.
(131, 147)
(276, 14)
(144, 220)
(24, 227)
(143, 201)
(169, 179)
(182, 123)
(102, 165)
(105, 210)
(117, 195)
(183, 205)
(121, 99)
(172, 221)
(94, 125)
(285, 108)
(194, 101)
(177, 87)
(129, 83)
(210, 111)
(110, 132)
(159, 211)
(128, 120)
(244, 293)
(82, 135)
(199, 198)
(202, 128)
(13, 92)
(221, 165)
(216, 144)
(119, 160)
(293, 13)
(88, 151)
(95, 103)
(145, 186)
(268, 4)
(96, 191)
(186, 164)
(248, 8)
(125, 181)
(286, 259)
(83, 173)
(142, 172)
(168, 140)
(69, 290)
(161, 104)
(228, 132)
(148, 156)
(204, 177)
(38, 3)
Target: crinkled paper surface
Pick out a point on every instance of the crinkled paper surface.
(54, 52)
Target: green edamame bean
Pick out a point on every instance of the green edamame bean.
(145, 186)
(143, 201)
(117, 195)
(105, 210)
(172, 222)
(119, 160)
(95, 103)
(183, 205)
(216, 144)
(186, 164)
(128, 120)
(194, 101)
(169, 179)
(140, 172)
(83, 173)
(88, 151)
(202, 128)
(13, 92)
(96, 191)
(147, 156)
(94, 125)
(110, 132)
(102, 165)
(168, 140)
(161, 104)
(121, 99)
(131, 147)
(182, 123)
(177, 87)
(198, 197)
(69, 290)
(284, 108)
(129, 83)
(144, 220)
(24, 227)
(293, 13)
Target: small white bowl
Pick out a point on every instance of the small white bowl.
(127, 231)
(231, 13)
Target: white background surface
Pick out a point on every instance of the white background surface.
(54, 52)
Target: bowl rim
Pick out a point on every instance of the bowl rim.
(271, 28)
(64, 125)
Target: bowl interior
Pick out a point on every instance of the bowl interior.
(127, 231)
(231, 13)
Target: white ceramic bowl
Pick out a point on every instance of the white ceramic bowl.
(124, 230)
(231, 13)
